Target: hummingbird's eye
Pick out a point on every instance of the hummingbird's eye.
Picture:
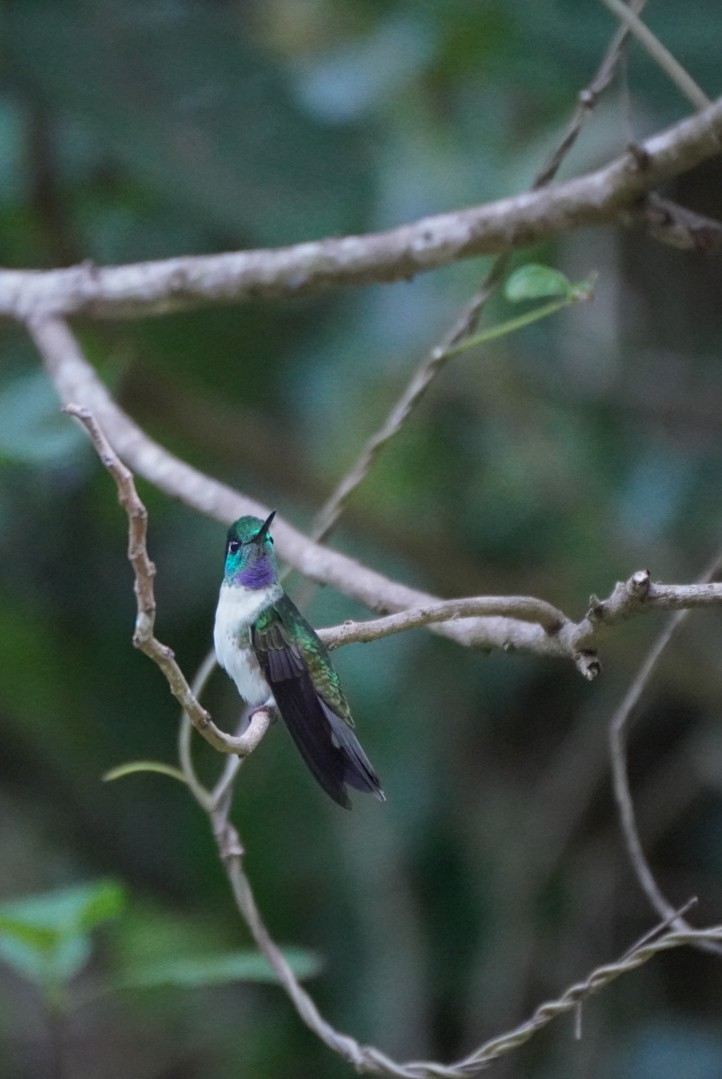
(233, 546)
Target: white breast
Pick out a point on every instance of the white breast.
(237, 608)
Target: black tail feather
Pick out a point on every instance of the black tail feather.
(327, 744)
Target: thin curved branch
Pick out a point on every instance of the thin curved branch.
(144, 571)
(155, 288)
(76, 381)
(409, 398)
(506, 622)
(700, 594)
(573, 640)
(367, 1058)
(587, 100)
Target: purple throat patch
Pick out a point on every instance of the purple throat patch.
(259, 574)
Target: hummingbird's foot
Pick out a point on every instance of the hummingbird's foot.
(270, 707)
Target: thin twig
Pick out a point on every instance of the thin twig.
(660, 54)
(657, 930)
(524, 608)
(367, 1058)
(586, 101)
(185, 731)
(409, 398)
(466, 321)
(144, 571)
(618, 732)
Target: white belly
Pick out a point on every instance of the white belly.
(237, 608)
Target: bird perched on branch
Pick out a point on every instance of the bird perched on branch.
(276, 658)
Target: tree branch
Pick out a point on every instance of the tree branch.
(144, 571)
(509, 623)
(661, 55)
(468, 318)
(155, 288)
(699, 594)
(367, 1058)
(76, 381)
(627, 599)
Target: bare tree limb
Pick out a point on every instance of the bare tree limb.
(628, 599)
(155, 288)
(76, 381)
(509, 628)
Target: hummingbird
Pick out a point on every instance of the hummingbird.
(275, 657)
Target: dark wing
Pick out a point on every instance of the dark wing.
(323, 738)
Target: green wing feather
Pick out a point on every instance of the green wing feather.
(308, 693)
(282, 630)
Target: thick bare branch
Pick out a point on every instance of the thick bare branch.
(76, 381)
(155, 288)
(508, 623)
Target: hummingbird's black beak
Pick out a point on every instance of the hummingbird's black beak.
(263, 530)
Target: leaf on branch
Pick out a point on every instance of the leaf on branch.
(536, 282)
(132, 767)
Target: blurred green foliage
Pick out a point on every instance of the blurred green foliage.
(551, 462)
(46, 938)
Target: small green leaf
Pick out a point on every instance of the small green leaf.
(132, 767)
(199, 971)
(40, 938)
(46, 937)
(69, 911)
(536, 282)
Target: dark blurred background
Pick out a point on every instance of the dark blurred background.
(552, 463)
